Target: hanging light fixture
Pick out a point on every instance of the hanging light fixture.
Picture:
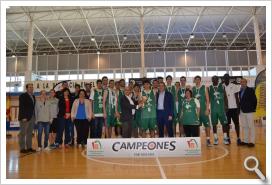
(192, 36)
(92, 39)
(159, 36)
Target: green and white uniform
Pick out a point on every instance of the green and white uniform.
(119, 94)
(216, 94)
(111, 107)
(189, 112)
(148, 114)
(97, 97)
(181, 98)
(200, 94)
(172, 90)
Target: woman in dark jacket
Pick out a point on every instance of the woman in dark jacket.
(64, 116)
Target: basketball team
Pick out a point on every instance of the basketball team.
(157, 109)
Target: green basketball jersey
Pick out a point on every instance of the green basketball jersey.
(216, 95)
(181, 98)
(110, 102)
(189, 112)
(199, 93)
(98, 101)
(119, 96)
(149, 108)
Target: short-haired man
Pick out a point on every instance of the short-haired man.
(26, 119)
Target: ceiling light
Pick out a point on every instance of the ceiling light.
(125, 37)
(70, 53)
(92, 39)
(157, 50)
(60, 40)
(13, 56)
(224, 35)
(186, 50)
(192, 36)
(214, 49)
(159, 37)
(44, 53)
(245, 49)
(126, 51)
(98, 52)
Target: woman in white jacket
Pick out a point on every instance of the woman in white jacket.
(81, 114)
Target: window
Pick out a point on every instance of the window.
(63, 77)
(136, 75)
(212, 73)
(73, 77)
(253, 72)
(90, 76)
(194, 73)
(109, 75)
(245, 72)
(150, 75)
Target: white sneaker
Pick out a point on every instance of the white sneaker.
(47, 148)
(39, 149)
(226, 141)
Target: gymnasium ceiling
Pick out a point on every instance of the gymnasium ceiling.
(72, 29)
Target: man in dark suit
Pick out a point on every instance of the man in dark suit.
(165, 111)
(27, 119)
(128, 108)
(248, 103)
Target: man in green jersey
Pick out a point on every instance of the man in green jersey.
(171, 88)
(119, 93)
(148, 114)
(96, 98)
(181, 97)
(218, 101)
(200, 92)
(109, 108)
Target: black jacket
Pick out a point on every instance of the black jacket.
(126, 109)
(26, 106)
(62, 106)
(168, 103)
(248, 102)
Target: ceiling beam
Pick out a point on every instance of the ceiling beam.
(115, 26)
(35, 25)
(254, 40)
(61, 25)
(168, 26)
(18, 35)
(194, 27)
(219, 27)
(244, 27)
(88, 25)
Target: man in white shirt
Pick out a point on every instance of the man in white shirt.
(232, 92)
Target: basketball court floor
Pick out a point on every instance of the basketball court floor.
(217, 162)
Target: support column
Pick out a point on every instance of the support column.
(142, 47)
(28, 73)
(260, 66)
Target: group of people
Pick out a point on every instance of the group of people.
(129, 111)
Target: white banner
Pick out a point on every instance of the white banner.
(144, 147)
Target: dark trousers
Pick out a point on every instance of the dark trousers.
(64, 124)
(126, 129)
(191, 130)
(96, 128)
(72, 132)
(91, 133)
(82, 128)
(234, 115)
(162, 120)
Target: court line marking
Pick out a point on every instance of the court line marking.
(226, 152)
(160, 168)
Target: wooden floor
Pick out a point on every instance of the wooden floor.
(216, 162)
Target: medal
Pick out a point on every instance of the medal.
(217, 101)
(198, 96)
(149, 109)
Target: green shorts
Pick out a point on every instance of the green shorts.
(111, 121)
(148, 124)
(204, 119)
(221, 116)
